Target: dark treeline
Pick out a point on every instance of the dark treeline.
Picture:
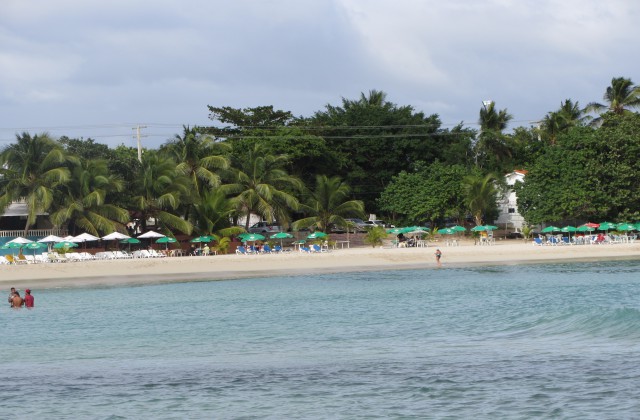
(366, 155)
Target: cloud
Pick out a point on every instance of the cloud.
(73, 62)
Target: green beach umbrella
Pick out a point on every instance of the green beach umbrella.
(317, 235)
(397, 231)
(166, 241)
(479, 228)
(251, 237)
(550, 229)
(458, 228)
(606, 226)
(626, 226)
(130, 241)
(585, 228)
(447, 231)
(65, 244)
(35, 246)
(490, 227)
(281, 236)
(204, 238)
(12, 245)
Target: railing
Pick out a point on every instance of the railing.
(33, 233)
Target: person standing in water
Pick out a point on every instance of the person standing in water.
(17, 301)
(438, 255)
(28, 299)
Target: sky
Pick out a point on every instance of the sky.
(97, 69)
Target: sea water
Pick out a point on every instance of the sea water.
(514, 341)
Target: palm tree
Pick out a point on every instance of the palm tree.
(160, 191)
(213, 215)
(84, 199)
(620, 97)
(491, 143)
(569, 115)
(492, 120)
(198, 157)
(259, 186)
(328, 205)
(31, 169)
(480, 195)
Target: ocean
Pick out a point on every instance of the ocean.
(512, 341)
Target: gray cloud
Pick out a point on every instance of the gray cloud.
(71, 66)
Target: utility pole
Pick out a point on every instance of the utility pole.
(138, 136)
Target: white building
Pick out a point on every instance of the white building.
(509, 218)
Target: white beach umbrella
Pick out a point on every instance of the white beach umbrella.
(50, 238)
(67, 238)
(151, 234)
(19, 240)
(84, 237)
(115, 236)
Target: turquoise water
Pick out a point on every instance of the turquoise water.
(559, 340)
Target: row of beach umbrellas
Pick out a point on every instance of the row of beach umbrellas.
(591, 227)
(416, 230)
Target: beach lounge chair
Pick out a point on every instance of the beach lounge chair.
(305, 249)
(3, 260)
(277, 249)
(42, 258)
(538, 241)
(565, 240)
(241, 250)
(317, 248)
(121, 255)
(266, 249)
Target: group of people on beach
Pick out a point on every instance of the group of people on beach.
(17, 301)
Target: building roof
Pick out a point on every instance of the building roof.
(16, 209)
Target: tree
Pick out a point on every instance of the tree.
(85, 149)
(212, 214)
(569, 115)
(589, 175)
(491, 148)
(84, 200)
(198, 156)
(620, 97)
(159, 192)
(377, 139)
(328, 205)
(260, 185)
(430, 193)
(480, 195)
(247, 119)
(31, 169)
(375, 236)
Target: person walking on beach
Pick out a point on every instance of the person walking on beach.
(28, 299)
(438, 255)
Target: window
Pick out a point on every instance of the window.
(512, 210)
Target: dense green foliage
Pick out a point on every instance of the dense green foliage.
(590, 174)
(429, 194)
(366, 155)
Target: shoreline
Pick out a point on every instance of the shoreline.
(136, 272)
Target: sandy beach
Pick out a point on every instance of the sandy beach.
(105, 273)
